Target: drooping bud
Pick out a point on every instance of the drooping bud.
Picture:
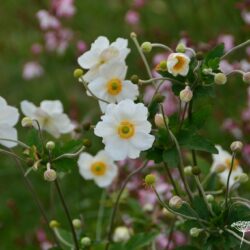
(220, 78)
(86, 242)
(50, 174)
(181, 48)
(159, 121)
(134, 79)
(77, 223)
(27, 122)
(188, 171)
(207, 71)
(246, 77)
(163, 65)
(168, 214)
(133, 35)
(199, 56)
(121, 234)
(150, 180)
(176, 202)
(210, 198)
(78, 73)
(186, 94)
(146, 47)
(243, 178)
(54, 224)
(194, 232)
(50, 145)
(236, 146)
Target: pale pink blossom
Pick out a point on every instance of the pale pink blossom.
(132, 17)
(47, 21)
(36, 48)
(231, 126)
(228, 41)
(246, 16)
(225, 67)
(139, 3)
(81, 46)
(32, 70)
(64, 8)
(245, 65)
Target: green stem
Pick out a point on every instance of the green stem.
(235, 48)
(100, 216)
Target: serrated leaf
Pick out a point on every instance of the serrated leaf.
(216, 52)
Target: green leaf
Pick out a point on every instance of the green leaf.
(218, 51)
(171, 157)
(155, 154)
(186, 248)
(65, 164)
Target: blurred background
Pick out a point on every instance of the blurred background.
(40, 41)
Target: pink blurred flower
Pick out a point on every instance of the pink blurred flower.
(47, 21)
(228, 41)
(246, 16)
(246, 153)
(81, 46)
(139, 3)
(42, 239)
(230, 126)
(36, 48)
(226, 67)
(248, 50)
(32, 70)
(132, 17)
(64, 8)
(245, 65)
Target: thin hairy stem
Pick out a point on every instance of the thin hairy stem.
(16, 141)
(237, 236)
(235, 48)
(158, 79)
(159, 45)
(12, 154)
(61, 239)
(70, 155)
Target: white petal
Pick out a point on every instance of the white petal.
(126, 109)
(2, 101)
(115, 69)
(51, 107)
(8, 115)
(91, 74)
(144, 127)
(63, 123)
(104, 129)
(98, 86)
(88, 59)
(100, 43)
(84, 163)
(7, 132)
(129, 91)
(28, 108)
(142, 141)
(133, 152)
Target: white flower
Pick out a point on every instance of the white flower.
(125, 130)
(112, 86)
(121, 234)
(46, 20)
(99, 168)
(223, 159)
(32, 70)
(8, 119)
(101, 53)
(50, 117)
(178, 64)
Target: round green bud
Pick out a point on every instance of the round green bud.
(176, 202)
(86, 126)
(246, 77)
(50, 145)
(27, 122)
(207, 71)
(181, 48)
(150, 180)
(133, 35)
(87, 143)
(146, 47)
(77, 223)
(196, 170)
(54, 224)
(210, 198)
(78, 73)
(159, 98)
(188, 171)
(163, 65)
(50, 175)
(199, 56)
(86, 242)
(194, 232)
(236, 146)
(243, 178)
(134, 79)
(220, 78)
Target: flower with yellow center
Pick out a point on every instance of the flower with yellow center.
(178, 64)
(102, 53)
(223, 159)
(99, 168)
(112, 86)
(125, 130)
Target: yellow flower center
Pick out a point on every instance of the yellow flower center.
(228, 164)
(181, 62)
(126, 129)
(98, 168)
(114, 86)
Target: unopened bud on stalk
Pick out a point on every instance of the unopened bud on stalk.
(146, 47)
(236, 146)
(163, 65)
(27, 122)
(199, 56)
(243, 178)
(159, 120)
(150, 180)
(87, 143)
(196, 170)
(246, 77)
(77, 223)
(54, 224)
(168, 214)
(85, 241)
(207, 71)
(50, 145)
(210, 198)
(78, 73)
(121, 234)
(188, 171)
(220, 78)
(186, 94)
(176, 202)
(181, 48)
(134, 79)
(194, 232)
(49, 174)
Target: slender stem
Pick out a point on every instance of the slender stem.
(235, 48)
(18, 142)
(67, 214)
(40, 134)
(170, 235)
(70, 155)
(12, 154)
(208, 176)
(217, 192)
(159, 45)
(116, 205)
(236, 71)
(159, 78)
(62, 240)
(171, 179)
(228, 180)
(237, 236)
(183, 116)
(100, 216)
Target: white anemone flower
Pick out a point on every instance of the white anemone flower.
(122, 234)
(125, 130)
(50, 117)
(112, 86)
(178, 64)
(8, 118)
(222, 160)
(100, 168)
(101, 53)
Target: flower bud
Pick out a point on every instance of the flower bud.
(207, 71)
(236, 146)
(181, 48)
(85, 241)
(50, 145)
(163, 65)
(77, 223)
(133, 35)
(243, 178)
(188, 171)
(87, 143)
(159, 121)
(199, 56)
(194, 232)
(134, 79)
(54, 224)
(78, 73)
(121, 234)
(220, 78)
(27, 122)
(146, 47)
(50, 175)
(196, 170)
(150, 180)
(168, 214)
(186, 94)
(176, 202)
(246, 77)
(148, 207)
(210, 198)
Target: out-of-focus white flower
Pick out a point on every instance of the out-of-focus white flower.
(64, 8)
(132, 17)
(47, 21)
(112, 86)
(101, 53)
(50, 117)
(246, 16)
(178, 64)
(8, 118)
(125, 130)
(121, 234)
(227, 40)
(32, 70)
(99, 168)
(226, 67)
(223, 159)
(245, 65)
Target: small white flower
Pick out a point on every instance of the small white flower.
(121, 234)
(50, 117)
(32, 70)
(178, 64)
(112, 86)
(99, 168)
(8, 119)
(223, 158)
(125, 130)
(46, 20)
(101, 53)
